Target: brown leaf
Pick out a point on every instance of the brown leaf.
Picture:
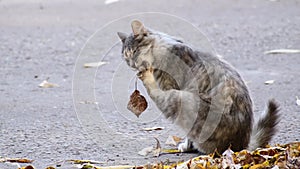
(137, 103)
(28, 167)
(173, 140)
(19, 160)
(50, 167)
(85, 161)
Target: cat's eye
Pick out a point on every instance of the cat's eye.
(126, 53)
(129, 53)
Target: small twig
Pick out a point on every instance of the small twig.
(135, 84)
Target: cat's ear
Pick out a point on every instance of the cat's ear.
(122, 36)
(138, 27)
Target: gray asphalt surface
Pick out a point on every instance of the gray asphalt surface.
(47, 39)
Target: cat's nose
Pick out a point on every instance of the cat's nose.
(146, 64)
(141, 69)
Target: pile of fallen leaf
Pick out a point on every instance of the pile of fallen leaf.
(280, 156)
(277, 157)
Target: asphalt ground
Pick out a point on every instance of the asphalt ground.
(86, 117)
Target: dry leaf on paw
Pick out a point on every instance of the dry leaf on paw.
(137, 103)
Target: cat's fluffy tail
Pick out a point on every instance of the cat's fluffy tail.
(265, 127)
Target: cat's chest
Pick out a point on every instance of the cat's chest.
(165, 80)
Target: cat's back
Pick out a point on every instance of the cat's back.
(184, 67)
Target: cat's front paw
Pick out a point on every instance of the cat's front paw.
(148, 79)
(147, 75)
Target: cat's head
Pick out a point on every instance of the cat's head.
(137, 46)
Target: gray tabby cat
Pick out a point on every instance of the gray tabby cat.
(201, 93)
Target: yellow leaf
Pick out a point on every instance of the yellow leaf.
(258, 166)
(117, 167)
(170, 151)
